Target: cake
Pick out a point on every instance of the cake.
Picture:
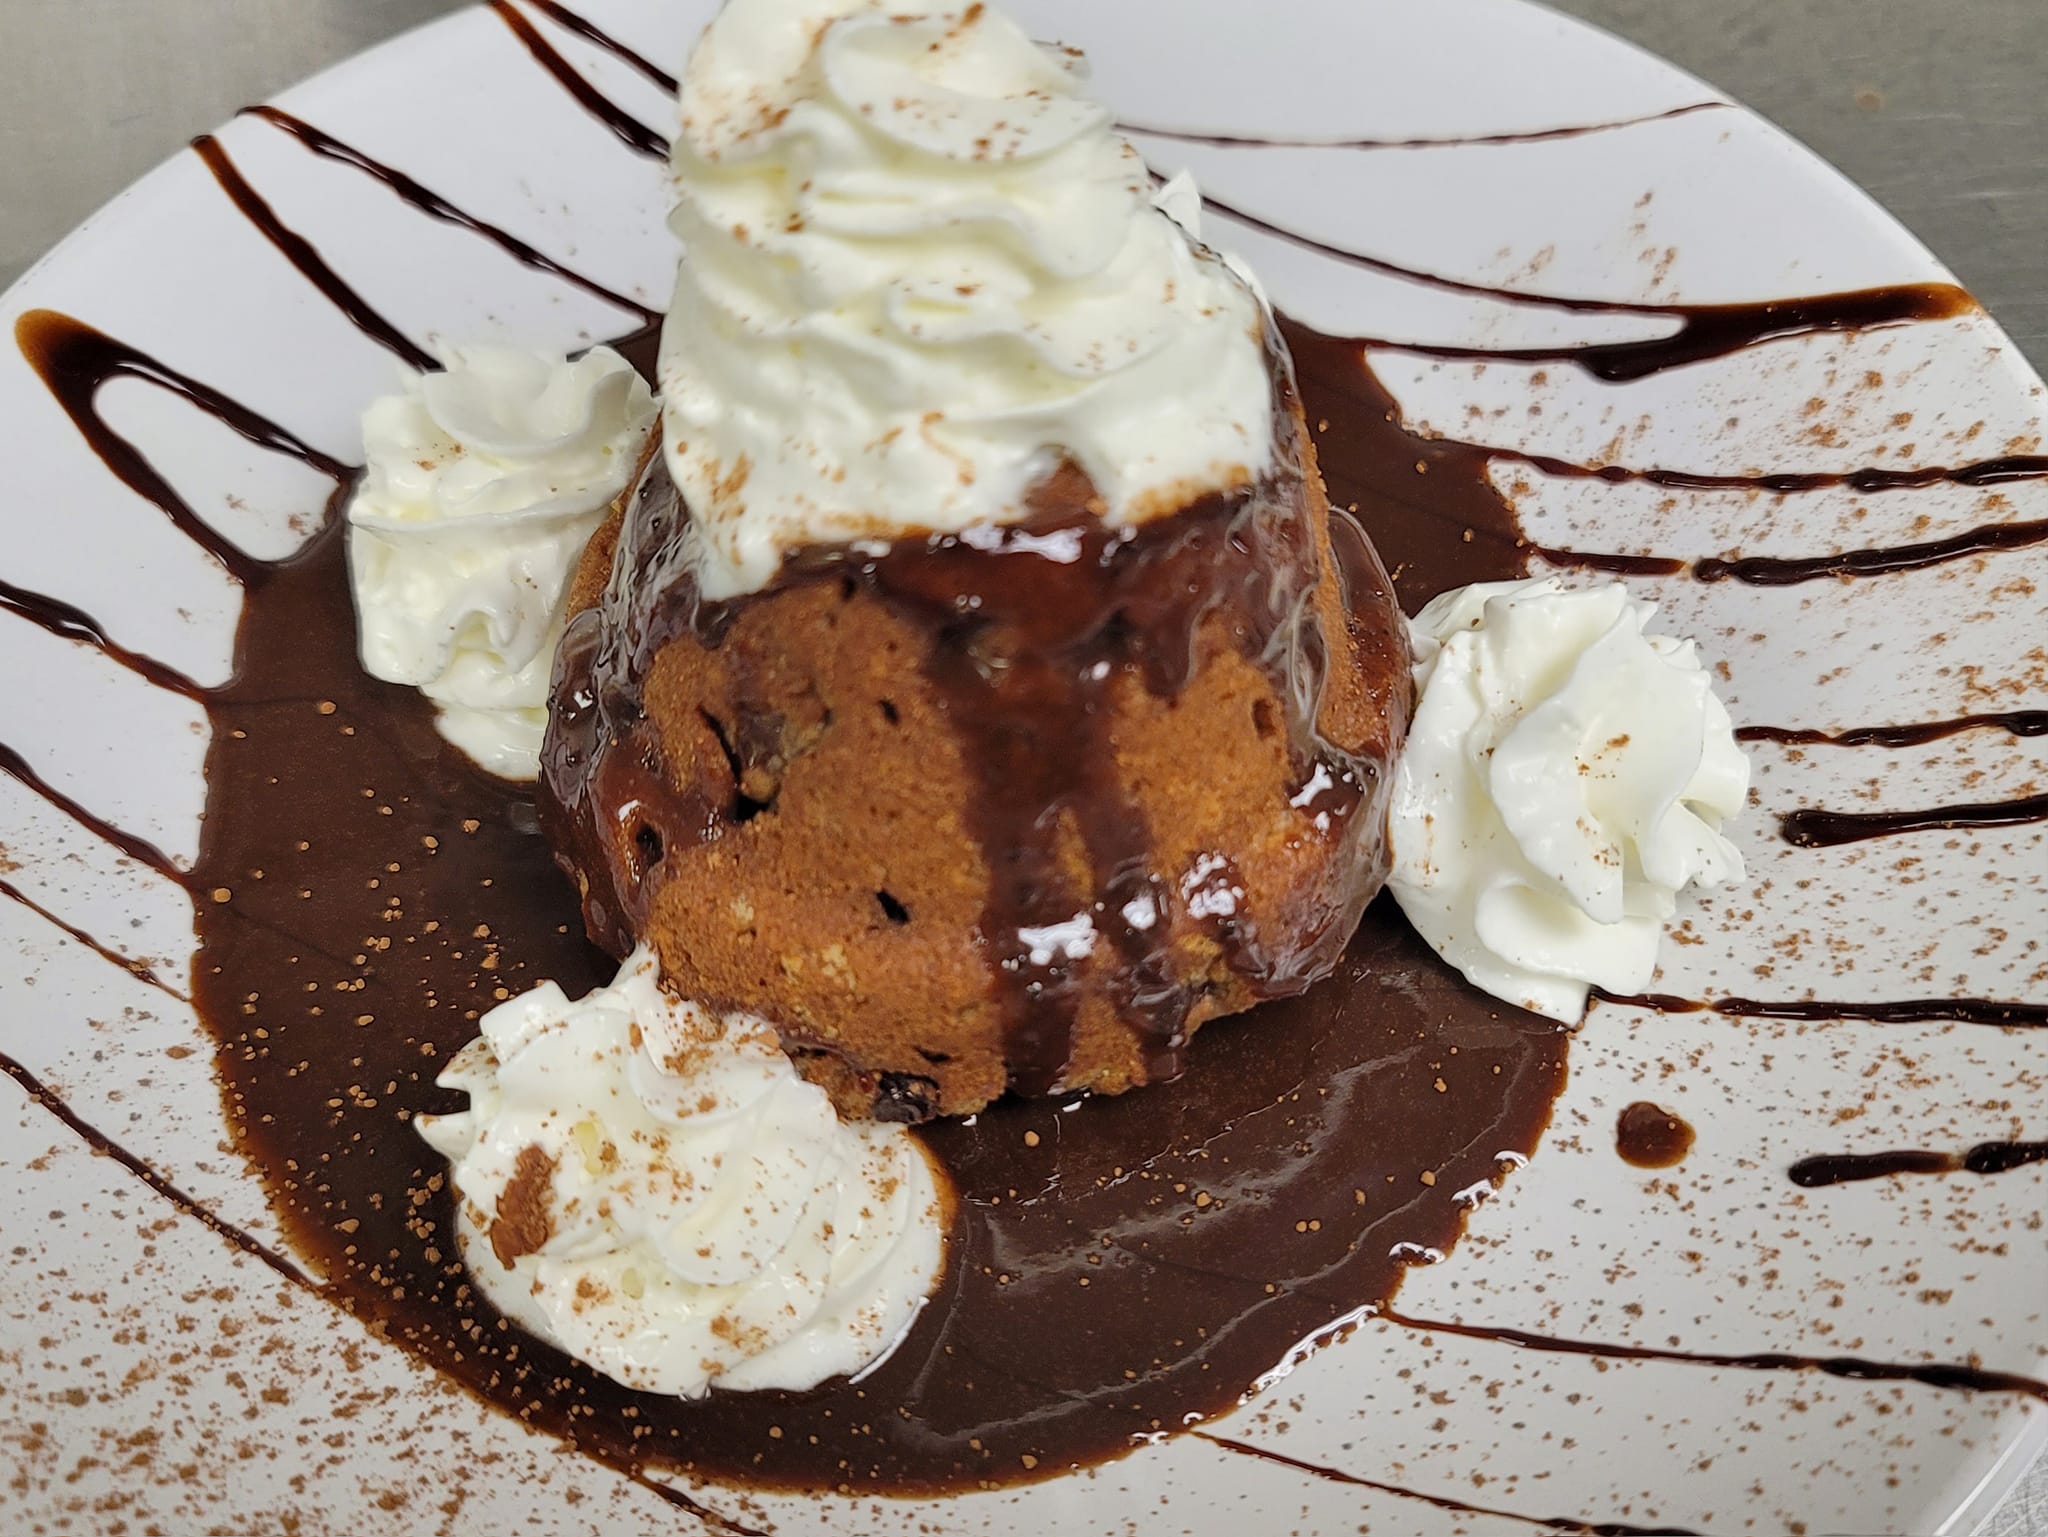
(959, 818)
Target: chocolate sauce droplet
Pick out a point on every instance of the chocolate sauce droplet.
(1651, 1137)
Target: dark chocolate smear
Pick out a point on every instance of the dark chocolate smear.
(74, 361)
(1710, 331)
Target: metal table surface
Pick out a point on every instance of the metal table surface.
(1937, 108)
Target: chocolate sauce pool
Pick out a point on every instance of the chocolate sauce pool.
(1118, 1266)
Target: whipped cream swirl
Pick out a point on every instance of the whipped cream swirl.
(653, 1189)
(1565, 778)
(919, 269)
(483, 484)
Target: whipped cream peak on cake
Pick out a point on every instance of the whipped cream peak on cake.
(920, 272)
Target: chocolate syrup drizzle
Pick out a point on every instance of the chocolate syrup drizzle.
(434, 206)
(1432, 504)
(1817, 829)
(1854, 1368)
(570, 21)
(1996, 1013)
(625, 127)
(1454, 141)
(1702, 332)
(1712, 331)
(2018, 723)
(303, 256)
(1846, 1168)
(1440, 1501)
(140, 970)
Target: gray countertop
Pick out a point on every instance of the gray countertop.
(1937, 106)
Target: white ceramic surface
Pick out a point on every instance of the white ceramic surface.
(160, 1377)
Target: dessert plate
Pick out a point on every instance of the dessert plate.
(1844, 503)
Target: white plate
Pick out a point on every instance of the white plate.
(158, 1375)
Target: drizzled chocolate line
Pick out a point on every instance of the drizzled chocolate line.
(434, 206)
(1982, 474)
(1440, 1501)
(139, 970)
(589, 31)
(2018, 723)
(1712, 331)
(1763, 571)
(107, 1147)
(1952, 1377)
(625, 127)
(74, 361)
(1996, 1013)
(301, 253)
(54, 1105)
(67, 621)
(1612, 565)
(141, 850)
(1818, 829)
(1454, 141)
(1703, 331)
(1847, 1168)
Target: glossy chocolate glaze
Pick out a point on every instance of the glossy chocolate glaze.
(1651, 1137)
(1848, 1168)
(1026, 631)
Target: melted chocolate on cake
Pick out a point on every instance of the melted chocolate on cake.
(1027, 630)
